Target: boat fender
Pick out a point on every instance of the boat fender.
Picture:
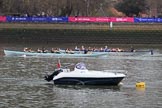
(50, 77)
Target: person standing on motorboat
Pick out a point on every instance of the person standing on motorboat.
(80, 66)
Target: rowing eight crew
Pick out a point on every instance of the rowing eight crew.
(53, 50)
(68, 50)
(105, 49)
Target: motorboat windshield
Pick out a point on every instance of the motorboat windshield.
(80, 66)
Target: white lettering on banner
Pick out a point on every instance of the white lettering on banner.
(40, 19)
(83, 19)
(54, 19)
(57, 19)
(159, 19)
(121, 19)
(140, 19)
(102, 19)
(20, 18)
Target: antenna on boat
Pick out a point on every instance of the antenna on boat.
(47, 64)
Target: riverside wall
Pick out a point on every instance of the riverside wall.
(81, 33)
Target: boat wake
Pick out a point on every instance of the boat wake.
(145, 56)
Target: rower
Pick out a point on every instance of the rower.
(57, 50)
(85, 51)
(52, 50)
(151, 52)
(132, 49)
(44, 50)
(76, 48)
(82, 48)
(39, 50)
(26, 49)
(105, 49)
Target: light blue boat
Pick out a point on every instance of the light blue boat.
(22, 53)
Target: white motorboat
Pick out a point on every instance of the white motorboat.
(82, 76)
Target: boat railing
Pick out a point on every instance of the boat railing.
(116, 71)
(66, 70)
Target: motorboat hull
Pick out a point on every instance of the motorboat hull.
(82, 76)
(114, 81)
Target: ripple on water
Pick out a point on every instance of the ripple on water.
(22, 84)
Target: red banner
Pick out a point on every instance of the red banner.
(89, 19)
(2, 19)
(100, 19)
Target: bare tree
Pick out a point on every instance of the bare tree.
(53, 7)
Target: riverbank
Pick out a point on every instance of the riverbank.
(83, 26)
(80, 33)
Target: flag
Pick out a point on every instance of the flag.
(58, 64)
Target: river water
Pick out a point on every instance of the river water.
(22, 84)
